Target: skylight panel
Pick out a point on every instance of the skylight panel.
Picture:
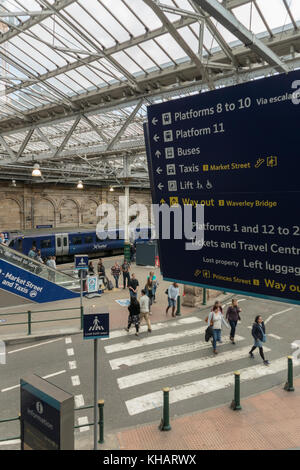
(146, 14)
(171, 47)
(250, 18)
(125, 16)
(274, 12)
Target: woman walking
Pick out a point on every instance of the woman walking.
(149, 291)
(233, 316)
(215, 320)
(134, 315)
(259, 335)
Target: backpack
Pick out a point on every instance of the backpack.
(110, 285)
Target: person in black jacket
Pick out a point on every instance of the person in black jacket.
(259, 335)
(134, 315)
(233, 316)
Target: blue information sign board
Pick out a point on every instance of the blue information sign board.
(81, 261)
(96, 325)
(235, 151)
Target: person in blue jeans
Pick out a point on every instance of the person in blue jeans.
(233, 316)
(215, 320)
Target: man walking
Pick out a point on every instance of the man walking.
(145, 308)
(133, 286)
(125, 270)
(173, 293)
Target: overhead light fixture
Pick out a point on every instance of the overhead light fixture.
(111, 188)
(36, 170)
(13, 183)
(79, 185)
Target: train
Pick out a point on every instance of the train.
(67, 243)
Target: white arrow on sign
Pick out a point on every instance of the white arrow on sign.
(160, 186)
(154, 121)
(157, 153)
(158, 170)
(156, 137)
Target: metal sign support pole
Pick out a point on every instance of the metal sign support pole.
(95, 393)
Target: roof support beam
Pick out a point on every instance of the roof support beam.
(66, 139)
(7, 148)
(24, 144)
(182, 43)
(125, 125)
(229, 21)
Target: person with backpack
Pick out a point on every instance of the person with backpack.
(215, 320)
(259, 335)
(233, 316)
(134, 315)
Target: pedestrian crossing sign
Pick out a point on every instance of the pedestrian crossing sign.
(96, 325)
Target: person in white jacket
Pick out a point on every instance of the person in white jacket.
(145, 310)
(215, 320)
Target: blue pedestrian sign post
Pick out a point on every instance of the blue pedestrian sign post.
(235, 152)
(96, 326)
(81, 261)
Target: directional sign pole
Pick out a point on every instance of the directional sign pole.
(96, 387)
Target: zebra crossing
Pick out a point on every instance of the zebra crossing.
(176, 340)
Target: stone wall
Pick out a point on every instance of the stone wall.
(25, 206)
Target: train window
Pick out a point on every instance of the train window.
(65, 241)
(58, 242)
(88, 240)
(76, 241)
(20, 244)
(46, 243)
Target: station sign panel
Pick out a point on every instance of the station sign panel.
(234, 151)
(81, 261)
(96, 325)
(47, 416)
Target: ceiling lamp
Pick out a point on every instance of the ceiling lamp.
(13, 183)
(111, 188)
(36, 170)
(79, 185)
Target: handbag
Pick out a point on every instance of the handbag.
(264, 338)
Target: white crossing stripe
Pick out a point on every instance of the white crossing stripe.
(201, 387)
(68, 340)
(81, 421)
(75, 380)
(138, 343)
(70, 352)
(73, 365)
(45, 377)
(155, 327)
(157, 354)
(10, 443)
(278, 313)
(274, 336)
(79, 401)
(182, 368)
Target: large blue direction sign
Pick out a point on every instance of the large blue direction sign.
(234, 150)
(96, 325)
